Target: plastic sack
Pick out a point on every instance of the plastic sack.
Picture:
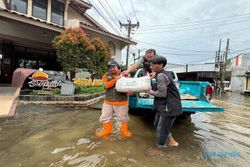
(134, 84)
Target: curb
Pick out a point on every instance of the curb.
(73, 102)
(67, 104)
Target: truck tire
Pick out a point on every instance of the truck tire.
(132, 111)
(185, 116)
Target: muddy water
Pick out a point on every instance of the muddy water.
(47, 136)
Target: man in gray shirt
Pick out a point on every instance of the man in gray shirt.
(167, 104)
(145, 61)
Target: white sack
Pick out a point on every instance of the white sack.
(134, 84)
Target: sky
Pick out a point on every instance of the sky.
(184, 31)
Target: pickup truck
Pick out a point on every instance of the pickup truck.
(193, 97)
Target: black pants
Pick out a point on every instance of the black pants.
(162, 125)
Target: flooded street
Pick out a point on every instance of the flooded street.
(48, 136)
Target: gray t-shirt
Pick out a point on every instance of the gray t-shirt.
(162, 85)
(140, 61)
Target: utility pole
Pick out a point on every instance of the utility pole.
(138, 55)
(134, 57)
(129, 26)
(218, 64)
(225, 64)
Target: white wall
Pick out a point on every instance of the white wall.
(201, 67)
(2, 5)
(106, 39)
(72, 14)
(238, 78)
(176, 69)
(191, 67)
(21, 31)
(246, 60)
(237, 83)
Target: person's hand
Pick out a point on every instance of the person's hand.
(152, 75)
(118, 77)
(130, 93)
(125, 73)
(149, 91)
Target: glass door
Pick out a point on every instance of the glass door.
(6, 67)
(1, 58)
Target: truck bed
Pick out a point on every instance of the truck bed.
(187, 105)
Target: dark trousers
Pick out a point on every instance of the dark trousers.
(162, 125)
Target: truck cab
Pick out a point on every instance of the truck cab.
(193, 97)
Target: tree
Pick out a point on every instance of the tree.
(76, 51)
(99, 57)
(73, 49)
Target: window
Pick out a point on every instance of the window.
(20, 63)
(39, 9)
(32, 64)
(19, 5)
(57, 12)
(19, 57)
(1, 57)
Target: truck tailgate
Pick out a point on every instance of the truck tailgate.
(199, 106)
(187, 105)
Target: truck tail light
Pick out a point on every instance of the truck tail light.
(209, 90)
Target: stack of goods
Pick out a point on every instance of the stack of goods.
(88, 85)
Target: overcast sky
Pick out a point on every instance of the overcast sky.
(184, 31)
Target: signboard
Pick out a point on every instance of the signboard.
(39, 80)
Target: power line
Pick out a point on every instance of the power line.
(123, 10)
(110, 16)
(237, 43)
(203, 59)
(240, 50)
(106, 11)
(183, 54)
(187, 28)
(166, 47)
(205, 36)
(200, 21)
(129, 26)
(104, 17)
(133, 10)
(197, 25)
(112, 11)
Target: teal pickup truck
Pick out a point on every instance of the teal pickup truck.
(193, 97)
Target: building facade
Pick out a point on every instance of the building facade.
(240, 67)
(27, 28)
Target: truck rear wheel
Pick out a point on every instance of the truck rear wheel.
(185, 116)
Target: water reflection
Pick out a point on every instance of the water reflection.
(48, 136)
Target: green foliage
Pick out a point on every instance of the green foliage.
(56, 91)
(73, 49)
(34, 92)
(99, 58)
(76, 51)
(88, 89)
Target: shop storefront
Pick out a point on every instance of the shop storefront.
(28, 28)
(16, 56)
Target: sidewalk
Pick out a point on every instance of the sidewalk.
(8, 100)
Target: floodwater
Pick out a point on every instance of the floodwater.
(49, 136)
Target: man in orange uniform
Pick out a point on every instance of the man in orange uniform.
(116, 102)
